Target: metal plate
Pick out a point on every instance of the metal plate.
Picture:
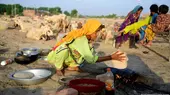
(40, 75)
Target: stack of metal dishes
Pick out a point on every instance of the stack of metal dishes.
(26, 55)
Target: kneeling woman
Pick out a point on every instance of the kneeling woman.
(74, 50)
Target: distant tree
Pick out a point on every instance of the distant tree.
(43, 8)
(122, 17)
(52, 10)
(30, 8)
(2, 8)
(81, 16)
(56, 10)
(111, 16)
(9, 9)
(104, 16)
(67, 13)
(74, 13)
(18, 9)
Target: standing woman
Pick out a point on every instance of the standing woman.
(131, 18)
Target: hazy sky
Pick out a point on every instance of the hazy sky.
(91, 7)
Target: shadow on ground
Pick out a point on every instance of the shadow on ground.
(153, 84)
(161, 41)
(160, 55)
(21, 91)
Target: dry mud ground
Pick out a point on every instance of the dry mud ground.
(153, 65)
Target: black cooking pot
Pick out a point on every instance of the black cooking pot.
(26, 56)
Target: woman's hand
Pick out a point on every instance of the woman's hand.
(119, 56)
(120, 33)
(59, 72)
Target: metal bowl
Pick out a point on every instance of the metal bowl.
(30, 51)
(23, 59)
(40, 75)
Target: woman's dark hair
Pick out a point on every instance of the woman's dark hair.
(154, 8)
(141, 8)
(163, 9)
(102, 26)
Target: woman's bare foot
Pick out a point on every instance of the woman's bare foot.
(60, 72)
(73, 68)
(149, 44)
(141, 43)
(72, 71)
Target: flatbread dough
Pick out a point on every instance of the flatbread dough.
(118, 64)
(24, 75)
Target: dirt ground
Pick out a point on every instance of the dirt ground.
(153, 65)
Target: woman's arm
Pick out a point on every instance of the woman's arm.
(104, 58)
(136, 25)
(116, 56)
